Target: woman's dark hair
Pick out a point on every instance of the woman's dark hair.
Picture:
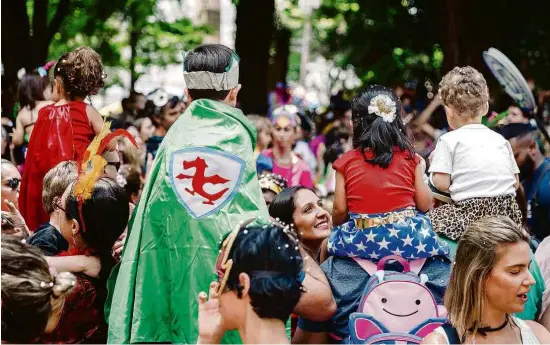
(81, 72)
(29, 292)
(31, 90)
(273, 262)
(211, 58)
(371, 132)
(105, 217)
(283, 206)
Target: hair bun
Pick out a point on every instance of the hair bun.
(64, 282)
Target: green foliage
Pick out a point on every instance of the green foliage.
(107, 27)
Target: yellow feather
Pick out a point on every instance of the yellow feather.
(86, 181)
(94, 145)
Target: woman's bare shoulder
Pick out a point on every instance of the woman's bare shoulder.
(435, 338)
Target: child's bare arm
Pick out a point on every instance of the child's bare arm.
(89, 265)
(340, 207)
(96, 121)
(422, 193)
(441, 181)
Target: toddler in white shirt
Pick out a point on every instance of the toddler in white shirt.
(473, 163)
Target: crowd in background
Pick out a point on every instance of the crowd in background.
(328, 172)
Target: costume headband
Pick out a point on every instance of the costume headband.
(272, 182)
(92, 165)
(204, 80)
(285, 115)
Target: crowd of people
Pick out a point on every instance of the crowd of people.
(183, 220)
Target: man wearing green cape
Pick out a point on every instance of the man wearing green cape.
(202, 183)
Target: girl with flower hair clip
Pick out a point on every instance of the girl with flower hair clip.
(380, 191)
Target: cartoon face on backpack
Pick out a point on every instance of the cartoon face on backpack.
(400, 304)
(395, 307)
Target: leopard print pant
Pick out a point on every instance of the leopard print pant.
(451, 220)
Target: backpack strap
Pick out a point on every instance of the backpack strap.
(452, 334)
(371, 268)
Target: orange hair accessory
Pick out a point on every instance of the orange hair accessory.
(92, 165)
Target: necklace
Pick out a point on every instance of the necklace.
(484, 330)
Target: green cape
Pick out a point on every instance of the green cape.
(172, 246)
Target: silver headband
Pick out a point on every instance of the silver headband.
(204, 80)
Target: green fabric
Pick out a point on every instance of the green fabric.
(170, 255)
(534, 297)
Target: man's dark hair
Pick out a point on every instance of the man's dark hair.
(211, 58)
(273, 263)
(516, 130)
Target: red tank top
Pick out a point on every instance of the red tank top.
(372, 189)
(61, 133)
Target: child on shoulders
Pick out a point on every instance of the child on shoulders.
(380, 190)
(473, 163)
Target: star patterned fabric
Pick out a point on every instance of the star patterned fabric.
(411, 238)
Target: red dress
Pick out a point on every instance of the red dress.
(371, 189)
(61, 133)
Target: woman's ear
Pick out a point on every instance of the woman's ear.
(75, 227)
(244, 280)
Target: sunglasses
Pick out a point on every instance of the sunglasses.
(115, 164)
(13, 183)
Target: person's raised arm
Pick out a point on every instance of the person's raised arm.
(426, 114)
(317, 302)
(340, 207)
(96, 121)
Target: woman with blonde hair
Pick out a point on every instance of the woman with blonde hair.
(489, 283)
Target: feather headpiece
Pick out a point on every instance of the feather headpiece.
(92, 165)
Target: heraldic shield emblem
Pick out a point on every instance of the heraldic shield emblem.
(205, 179)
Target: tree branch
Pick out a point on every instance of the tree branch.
(60, 14)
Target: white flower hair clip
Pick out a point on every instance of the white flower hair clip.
(383, 106)
(121, 180)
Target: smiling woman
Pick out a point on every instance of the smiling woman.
(302, 208)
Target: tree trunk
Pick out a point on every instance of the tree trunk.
(15, 49)
(278, 67)
(252, 43)
(134, 36)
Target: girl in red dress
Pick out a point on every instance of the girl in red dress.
(380, 191)
(64, 129)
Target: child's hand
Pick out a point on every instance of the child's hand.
(422, 163)
(118, 248)
(211, 322)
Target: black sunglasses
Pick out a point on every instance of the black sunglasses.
(115, 164)
(13, 183)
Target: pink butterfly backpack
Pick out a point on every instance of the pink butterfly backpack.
(396, 307)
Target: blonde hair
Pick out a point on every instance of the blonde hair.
(130, 154)
(56, 182)
(465, 90)
(477, 253)
(30, 294)
(261, 122)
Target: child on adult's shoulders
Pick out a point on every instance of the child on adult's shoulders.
(475, 165)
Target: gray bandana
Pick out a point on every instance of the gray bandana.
(204, 80)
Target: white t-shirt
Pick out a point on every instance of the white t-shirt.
(480, 161)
